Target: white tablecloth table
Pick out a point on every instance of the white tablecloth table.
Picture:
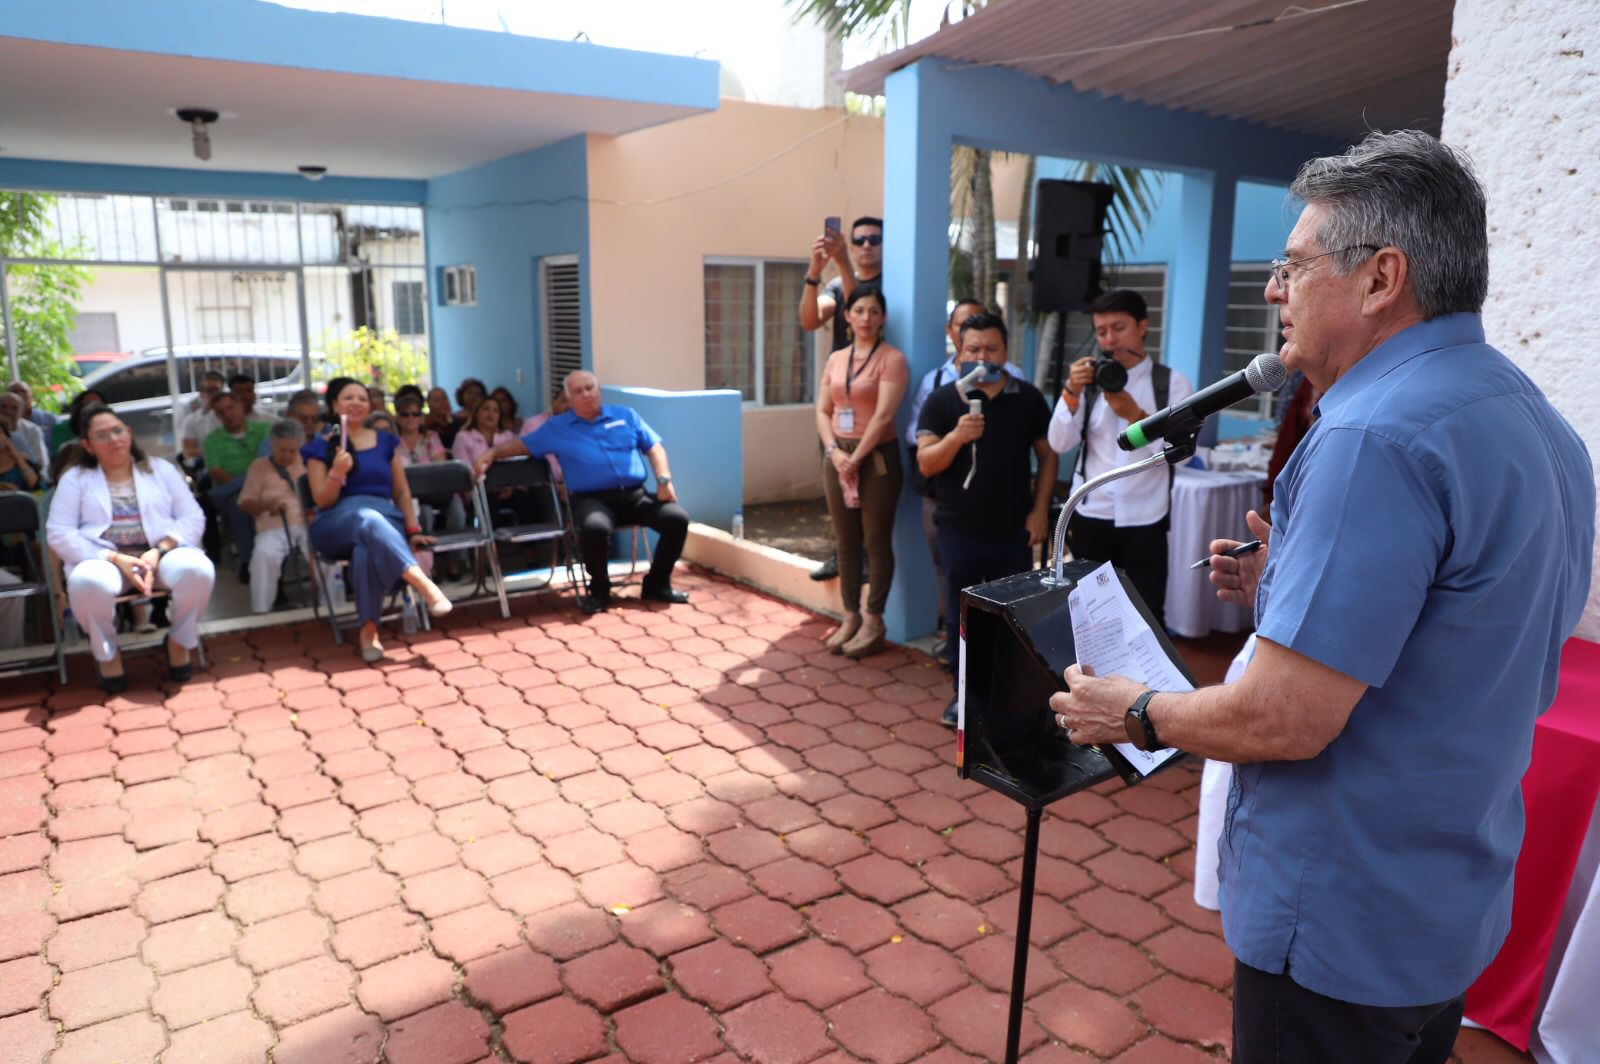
(1206, 505)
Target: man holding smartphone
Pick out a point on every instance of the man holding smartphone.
(859, 262)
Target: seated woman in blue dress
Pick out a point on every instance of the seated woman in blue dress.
(364, 510)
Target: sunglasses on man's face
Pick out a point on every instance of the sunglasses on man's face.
(867, 240)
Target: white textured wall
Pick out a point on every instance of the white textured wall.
(1523, 100)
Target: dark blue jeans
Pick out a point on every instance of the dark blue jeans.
(975, 558)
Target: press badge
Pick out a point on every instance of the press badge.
(846, 417)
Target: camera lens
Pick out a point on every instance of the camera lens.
(1109, 375)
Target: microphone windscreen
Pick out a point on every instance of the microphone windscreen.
(1265, 373)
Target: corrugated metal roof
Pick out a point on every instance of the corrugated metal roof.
(1337, 68)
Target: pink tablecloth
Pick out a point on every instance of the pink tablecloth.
(1559, 790)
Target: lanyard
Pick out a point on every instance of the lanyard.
(850, 366)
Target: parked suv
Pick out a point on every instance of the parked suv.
(139, 391)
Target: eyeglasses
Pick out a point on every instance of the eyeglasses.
(1280, 267)
(109, 435)
(867, 240)
(409, 413)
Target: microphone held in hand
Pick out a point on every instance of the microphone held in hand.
(1265, 373)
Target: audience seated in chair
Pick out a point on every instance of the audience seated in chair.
(360, 491)
(229, 450)
(270, 498)
(28, 437)
(603, 451)
(121, 522)
(419, 445)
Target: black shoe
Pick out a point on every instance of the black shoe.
(670, 596)
(828, 569)
(111, 685)
(177, 673)
(593, 604)
(949, 719)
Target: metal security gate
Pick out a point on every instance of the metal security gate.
(274, 290)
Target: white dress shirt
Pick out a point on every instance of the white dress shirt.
(1141, 499)
(80, 511)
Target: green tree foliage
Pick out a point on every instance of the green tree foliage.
(44, 299)
(373, 357)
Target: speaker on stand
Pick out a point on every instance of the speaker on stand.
(1069, 232)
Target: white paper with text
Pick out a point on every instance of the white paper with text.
(1113, 638)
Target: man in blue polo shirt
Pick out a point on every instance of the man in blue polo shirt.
(602, 451)
(1430, 551)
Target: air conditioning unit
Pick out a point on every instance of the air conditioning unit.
(458, 285)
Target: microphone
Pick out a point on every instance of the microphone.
(1265, 373)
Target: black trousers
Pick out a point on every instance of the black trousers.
(975, 558)
(597, 515)
(1278, 1021)
(1138, 550)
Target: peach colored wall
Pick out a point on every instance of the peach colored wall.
(746, 180)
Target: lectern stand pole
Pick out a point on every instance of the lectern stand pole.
(1019, 964)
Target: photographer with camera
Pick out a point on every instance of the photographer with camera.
(1125, 522)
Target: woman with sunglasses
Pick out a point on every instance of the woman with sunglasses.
(420, 445)
(120, 522)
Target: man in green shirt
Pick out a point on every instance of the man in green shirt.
(229, 450)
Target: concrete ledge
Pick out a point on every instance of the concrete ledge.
(777, 572)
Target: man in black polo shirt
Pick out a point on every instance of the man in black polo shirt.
(989, 509)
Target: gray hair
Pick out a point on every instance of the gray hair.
(287, 429)
(1406, 190)
(303, 396)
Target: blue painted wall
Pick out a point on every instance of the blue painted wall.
(932, 105)
(251, 31)
(501, 218)
(701, 432)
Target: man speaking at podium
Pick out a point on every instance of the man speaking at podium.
(1429, 553)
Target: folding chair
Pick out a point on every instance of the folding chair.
(58, 582)
(19, 514)
(435, 484)
(323, 569)
(553, 522)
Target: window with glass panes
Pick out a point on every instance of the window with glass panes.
(1252, 328)
(754, 342)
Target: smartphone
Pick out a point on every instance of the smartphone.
(830, 225)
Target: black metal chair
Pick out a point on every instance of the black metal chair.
(552, 521)
(338, 619)
(435, 484)
(19, 515)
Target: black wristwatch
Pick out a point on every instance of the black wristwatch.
(1141, 733)
(813, 281)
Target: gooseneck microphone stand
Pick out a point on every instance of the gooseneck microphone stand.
(1176, 451)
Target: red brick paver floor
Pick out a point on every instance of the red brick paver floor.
(653, 835)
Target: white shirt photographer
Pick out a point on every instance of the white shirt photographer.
(1141, 499)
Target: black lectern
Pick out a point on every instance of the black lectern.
(1018, 642)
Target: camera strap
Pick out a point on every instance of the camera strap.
(1160, 383)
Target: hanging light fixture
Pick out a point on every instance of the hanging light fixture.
(199, 120)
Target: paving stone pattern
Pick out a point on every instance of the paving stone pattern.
(655, 835)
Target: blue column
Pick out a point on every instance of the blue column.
(1197, 275)
(916, 217)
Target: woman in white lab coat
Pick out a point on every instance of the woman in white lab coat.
(121, 522)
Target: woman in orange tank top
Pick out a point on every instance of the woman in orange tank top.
(862, 386)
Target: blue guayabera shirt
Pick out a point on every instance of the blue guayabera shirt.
(597, 455)
(1432, 537)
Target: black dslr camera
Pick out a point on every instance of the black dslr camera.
(1109, 376)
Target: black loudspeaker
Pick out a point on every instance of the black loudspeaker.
(1018, 634)
(1069, 230)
